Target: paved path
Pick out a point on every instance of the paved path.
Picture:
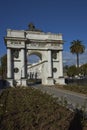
(74, 100)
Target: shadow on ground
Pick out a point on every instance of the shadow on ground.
(3, 84)
(76, 123)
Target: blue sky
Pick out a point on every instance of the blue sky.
(68, 17)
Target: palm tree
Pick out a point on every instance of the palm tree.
(77, 48)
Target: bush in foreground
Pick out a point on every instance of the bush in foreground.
(30, 109)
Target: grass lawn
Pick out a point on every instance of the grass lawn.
(77, 88)
(74, 88)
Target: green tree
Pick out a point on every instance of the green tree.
(77, 48)
(65, 69)
(83, 69)
(72, 71)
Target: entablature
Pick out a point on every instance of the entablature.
(44, 46)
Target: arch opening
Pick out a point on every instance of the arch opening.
(34, 68)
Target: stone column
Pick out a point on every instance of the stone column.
(23, 68)
(60, 64)
(9, 63)
(9, 68)
(49, 64)
(23, 64)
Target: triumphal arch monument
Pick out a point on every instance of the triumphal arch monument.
(48, 46)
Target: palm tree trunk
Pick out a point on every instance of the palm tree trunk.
(77, 60)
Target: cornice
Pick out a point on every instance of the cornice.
(14, 39)
(45, 41)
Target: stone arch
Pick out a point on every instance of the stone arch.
(47, 46)
(35, 52)
(34, 70)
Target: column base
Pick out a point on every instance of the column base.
(15, 83)
(60, 81)
(20, 82)
(24, 82)
(9, 82)
(50, 81)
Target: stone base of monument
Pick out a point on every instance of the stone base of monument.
(24, 82)
(16, 83)
(50, 81)
(9, 82)
(60, 81)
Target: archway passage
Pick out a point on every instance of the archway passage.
(34, 68)
(33, 58)
(47, 46)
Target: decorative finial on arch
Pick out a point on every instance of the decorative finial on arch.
(31, 27)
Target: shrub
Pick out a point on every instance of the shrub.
(30, 109)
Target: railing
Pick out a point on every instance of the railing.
(34, 71)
